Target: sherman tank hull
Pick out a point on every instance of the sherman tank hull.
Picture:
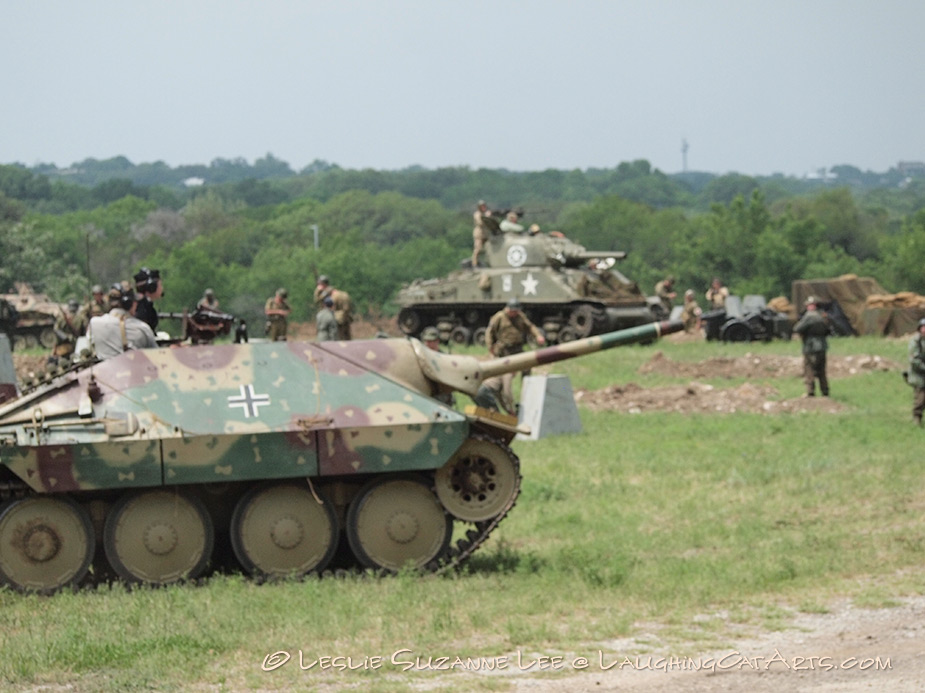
(286, 452)
(569, 292)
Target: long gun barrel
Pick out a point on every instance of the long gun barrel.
(466, 373)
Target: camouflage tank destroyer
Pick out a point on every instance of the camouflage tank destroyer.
(286, 451)
(568, 291)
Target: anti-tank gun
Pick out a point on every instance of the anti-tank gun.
(282, 448)
(202, 325)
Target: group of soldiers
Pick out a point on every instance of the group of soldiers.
(333, 317)
(122, 318)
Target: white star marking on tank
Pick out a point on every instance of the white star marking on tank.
(249, 401)
(529, 284)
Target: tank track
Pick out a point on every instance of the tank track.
(465, 546)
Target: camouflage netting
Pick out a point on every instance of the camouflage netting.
(870, 308)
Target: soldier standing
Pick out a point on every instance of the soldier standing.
(691, 313)
(479, 232)
(277, 312)
(506, 334)
(666, 294)
(813, 329)
(67, 329)
(148, 283)
(717, 294)
(327, 325)
(916, 373)
(342, 306)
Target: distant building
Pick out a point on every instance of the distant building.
(194, 182)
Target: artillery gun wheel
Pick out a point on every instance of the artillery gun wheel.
(281, 529)
(736, 331)
(461, 335)
(478, 337)
(395, 521)
(158, 537)
(479, 481)
(409, 321)
(47, 338)
(47, 543)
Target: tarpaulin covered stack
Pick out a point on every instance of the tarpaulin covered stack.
(869, 307)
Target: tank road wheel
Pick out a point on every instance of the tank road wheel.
(281, 529)
(18, 342)
(46, 543)
(479, 481)
(478, 337)
(395, 521)
(582, 320)
(461, 335)
(47, 338)
(158, 537)
(409, 321)
(567, 334)
(32, 342)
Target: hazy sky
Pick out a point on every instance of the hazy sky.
(783, 86)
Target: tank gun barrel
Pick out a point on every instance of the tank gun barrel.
(466, 373)
(597, 254)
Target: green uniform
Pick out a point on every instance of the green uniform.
(813, 329)
(916, 376)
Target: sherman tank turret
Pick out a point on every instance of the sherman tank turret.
(568, 291)
(285, 451)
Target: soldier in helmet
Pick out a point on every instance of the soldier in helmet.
(342, 306)
(507, 333)
(324, 319)
(148, 283)
(67, 329)
(118, 330)
(666, 294)
(208, 301)
(277, 311)
(813, 329)
(96, 305)
(915, 376)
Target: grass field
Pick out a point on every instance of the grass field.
(694, 526)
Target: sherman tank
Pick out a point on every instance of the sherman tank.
(568, 291)
(147, 465)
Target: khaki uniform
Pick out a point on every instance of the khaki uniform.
(277, 325)
(67, 330)
(343, 308)
(480, 234)
(813, 330)
(690, 315)
(717, 297)
(506, 334)
(664, 292)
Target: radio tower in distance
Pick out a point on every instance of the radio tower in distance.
(684, 154)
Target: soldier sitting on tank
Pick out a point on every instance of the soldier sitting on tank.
(506, 334)
(118, 330)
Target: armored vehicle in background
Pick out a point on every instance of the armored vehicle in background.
(568, 291)
(285, 451)
(36, 318)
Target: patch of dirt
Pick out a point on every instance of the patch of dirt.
(698, 397)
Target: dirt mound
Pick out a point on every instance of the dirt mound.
(759, 366)
(700, 398)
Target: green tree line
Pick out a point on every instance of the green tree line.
(246, 238)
